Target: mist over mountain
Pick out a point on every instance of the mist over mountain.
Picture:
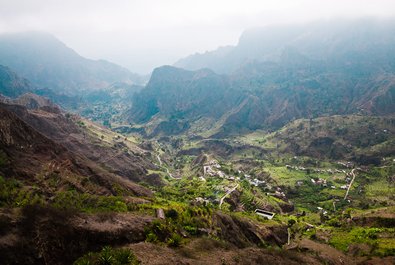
(275, 75)
(48, 63)
(325, 41)
(12, 85)
(279, 150)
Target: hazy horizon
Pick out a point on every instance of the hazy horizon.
(142, 35)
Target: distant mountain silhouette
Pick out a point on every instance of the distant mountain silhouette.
(48, 63)
(367, 39)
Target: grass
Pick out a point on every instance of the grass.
(286, 177)
(381, 240)
(14, 193)
(386, 246)
(380, 190)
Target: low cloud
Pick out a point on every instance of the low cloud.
(143, 34)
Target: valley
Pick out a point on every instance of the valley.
(267, 154)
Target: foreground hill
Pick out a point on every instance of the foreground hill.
(119, 154)
(40, 139)
(54, 170)
(48, 63)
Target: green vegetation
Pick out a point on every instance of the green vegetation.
(165, 232)
(14, 194)
(181, 221)
(381, 241)
(306, 191)
(380, 190)
(109, 256)
(90, 203)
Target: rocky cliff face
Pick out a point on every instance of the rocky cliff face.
(259, 96)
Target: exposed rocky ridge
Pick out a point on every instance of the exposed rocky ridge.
(274, 75)
(242, 232)
(177, 93)
(264, 96)
(124, 158)
(58, 145)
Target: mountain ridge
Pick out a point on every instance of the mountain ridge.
(49, 63)
(318, 40)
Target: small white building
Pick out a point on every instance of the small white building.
(266, 214)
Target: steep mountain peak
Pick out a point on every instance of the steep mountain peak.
(168, 72)
(49, 63)
(39, 42)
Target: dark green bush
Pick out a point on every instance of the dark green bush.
(172, 213)
(174, 240)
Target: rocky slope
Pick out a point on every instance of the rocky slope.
(274, 75)
(260, 96)
(355, 137)
(43, 140)
(12, 85)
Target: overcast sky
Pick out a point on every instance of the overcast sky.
(143, 34)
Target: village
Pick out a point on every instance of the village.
(212, 168)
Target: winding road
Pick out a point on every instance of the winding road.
(352, 181)
(160, 161)
(227, 194)
(167, 170)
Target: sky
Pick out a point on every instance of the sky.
(143, 34)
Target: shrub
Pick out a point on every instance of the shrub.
(172, 213)
(151, 237)
(192, 230)
(159, 231)
(291, 222)
(106, 256)
(174, 240)
(343, 239)
(13, 194)
(109, 256)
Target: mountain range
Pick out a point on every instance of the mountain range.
(295, 124)
(333, 41)
(49, 63)
(273, 76)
